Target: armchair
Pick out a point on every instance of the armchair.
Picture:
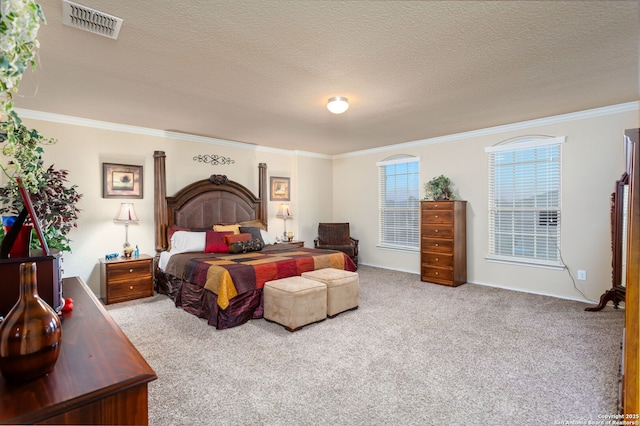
(336, 236)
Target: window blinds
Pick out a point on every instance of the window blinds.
(525, 201)
(399, 203)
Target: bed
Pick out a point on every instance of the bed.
(223, 287)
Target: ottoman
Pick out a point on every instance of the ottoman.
(343, 288)
(294, 302)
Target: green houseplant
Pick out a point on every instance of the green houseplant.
(439, 188)
(53, 198)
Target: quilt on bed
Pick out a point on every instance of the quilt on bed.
(228, 275)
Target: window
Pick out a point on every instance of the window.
(524, 201)
(399, 202)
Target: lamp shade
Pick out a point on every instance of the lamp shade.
(338, 104)
(127, 213)
(284, 212)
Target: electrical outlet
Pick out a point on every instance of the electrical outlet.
(582, 275)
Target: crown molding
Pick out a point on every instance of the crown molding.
(104, 125)
(563, 118)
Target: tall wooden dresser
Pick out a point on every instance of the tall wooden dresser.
(443, 242)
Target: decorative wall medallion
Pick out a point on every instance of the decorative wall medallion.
(214, 160)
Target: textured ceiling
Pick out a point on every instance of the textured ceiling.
(260, 72)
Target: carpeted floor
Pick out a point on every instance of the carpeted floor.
(412, 354)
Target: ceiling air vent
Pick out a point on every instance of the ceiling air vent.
(88, 19)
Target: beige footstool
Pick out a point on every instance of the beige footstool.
(295, 302)
(343, 289)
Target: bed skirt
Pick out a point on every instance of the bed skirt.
(204, 304)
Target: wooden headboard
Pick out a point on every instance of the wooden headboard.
(204, 203)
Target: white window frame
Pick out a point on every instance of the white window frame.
(398, 235)
(533, 218)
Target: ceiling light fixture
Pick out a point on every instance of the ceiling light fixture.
(338, 104)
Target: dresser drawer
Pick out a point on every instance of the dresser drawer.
(438, 205)
(437, 259)
(437, 275)
(119, 291)
(437, 245)
(120, 271)
(437, 216)
(437, 231)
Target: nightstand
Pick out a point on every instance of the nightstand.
(291, 244)
(126, 279)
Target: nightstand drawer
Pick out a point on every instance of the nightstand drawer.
(130, 289)
(118, 271)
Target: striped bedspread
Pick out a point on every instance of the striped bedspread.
(228, 275)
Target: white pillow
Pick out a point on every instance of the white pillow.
(164, 259)
(184, 241)
(266, 237)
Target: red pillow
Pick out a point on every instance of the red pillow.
(215, 243)
(236, 238)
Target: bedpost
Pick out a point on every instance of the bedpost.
(160, 200)
(262, 192)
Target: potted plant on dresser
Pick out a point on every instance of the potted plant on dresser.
(438, 189)
(54, 199)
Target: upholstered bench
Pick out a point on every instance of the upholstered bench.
(343, 288)
(294, 302)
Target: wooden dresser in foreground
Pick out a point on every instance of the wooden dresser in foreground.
(99, 378)
(126, 279)
(443, 242)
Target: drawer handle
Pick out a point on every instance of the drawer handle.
(437, 245)
(131, 270)
(437, 259)
(436, 216)
(436, 205)
(437, 230)
(130, 287)
(437, 273)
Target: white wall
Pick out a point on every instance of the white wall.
(592, 162)
(84, 145)
(314, 191)
(344, 188)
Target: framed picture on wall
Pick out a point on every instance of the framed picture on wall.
(280, 189)
(121, 181)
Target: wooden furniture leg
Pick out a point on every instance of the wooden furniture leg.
(615, 295)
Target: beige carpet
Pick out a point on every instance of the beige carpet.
(413, 353)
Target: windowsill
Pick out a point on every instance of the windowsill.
(398, 248)
(557, 266)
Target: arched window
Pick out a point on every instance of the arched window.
(399, 202)
(525, 200)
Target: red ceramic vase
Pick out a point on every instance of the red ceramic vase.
(30, 334)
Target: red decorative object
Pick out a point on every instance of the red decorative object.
(67, 304)
(22, 243)
(31, 333)
(28, 204)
